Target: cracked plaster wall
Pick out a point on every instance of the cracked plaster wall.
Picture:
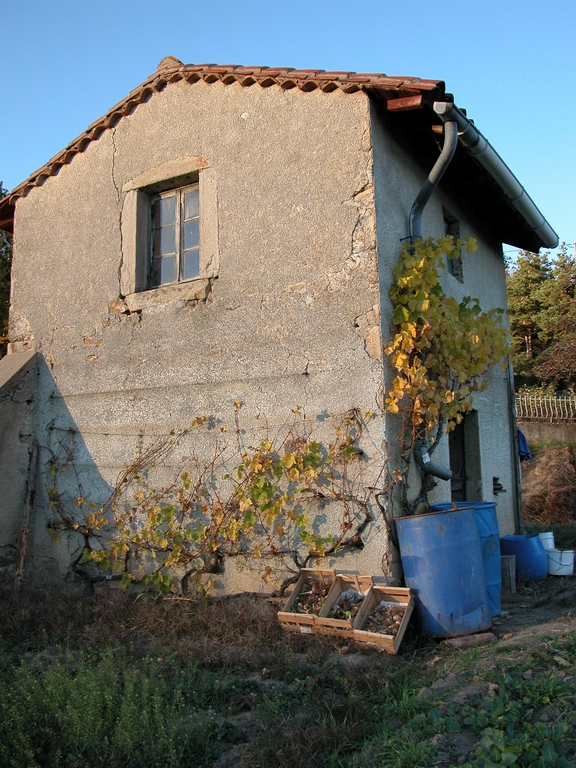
(292, 318)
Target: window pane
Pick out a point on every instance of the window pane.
(167, 210)
(191, 265)
(175, 246)
(167, 270)
(167, 240)
(191, 234)
(191, 208)
(157, 272)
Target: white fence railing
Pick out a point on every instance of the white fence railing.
(546, 407)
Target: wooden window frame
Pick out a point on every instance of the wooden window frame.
(155, 275)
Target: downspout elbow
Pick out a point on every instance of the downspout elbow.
(481, 149)
(426, 465)
(448, 150)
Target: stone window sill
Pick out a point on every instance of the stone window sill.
(191, 290)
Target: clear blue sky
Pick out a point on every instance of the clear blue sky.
(509, 63)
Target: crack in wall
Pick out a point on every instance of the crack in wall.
(367, 325)
(363, 245)
(307, 374)
(134, 319)
(119, 204)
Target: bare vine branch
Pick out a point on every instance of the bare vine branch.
(268, 507)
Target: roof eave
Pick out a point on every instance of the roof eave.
(484, 153)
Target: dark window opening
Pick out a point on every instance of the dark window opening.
(464, 446)
(452, 228)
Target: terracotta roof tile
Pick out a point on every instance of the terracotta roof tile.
(171, 70)
(223, 68)
(270, 72)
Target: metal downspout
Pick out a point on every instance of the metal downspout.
(421, 456)
(448, 150)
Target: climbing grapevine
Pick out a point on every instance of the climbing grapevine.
(283, 502)
(440, 348)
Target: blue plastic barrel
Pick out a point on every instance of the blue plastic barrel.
(531, 557)
(442, 561)
(487, 523)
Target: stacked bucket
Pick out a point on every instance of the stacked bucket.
(536, 556)
(560, 561)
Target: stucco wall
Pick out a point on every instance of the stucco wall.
(398, 179)
(292, 318)
(18, 394)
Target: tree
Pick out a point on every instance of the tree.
(5, 267)
(542, 306)
(557, 363)
(524, 287)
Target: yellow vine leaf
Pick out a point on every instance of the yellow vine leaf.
(441, 347)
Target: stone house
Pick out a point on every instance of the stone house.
(228, 234)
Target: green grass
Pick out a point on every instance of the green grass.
(91, 682)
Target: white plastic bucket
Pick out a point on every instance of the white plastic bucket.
(560, 562)
(547, 539)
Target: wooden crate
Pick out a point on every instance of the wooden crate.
(341, 627)
(390, 643)
(304, 622)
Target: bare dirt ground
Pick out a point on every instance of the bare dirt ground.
(539, 610)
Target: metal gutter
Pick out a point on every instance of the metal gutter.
(481, 149)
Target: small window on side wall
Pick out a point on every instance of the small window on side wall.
(452, 228)
(169, 234)
(175, 236)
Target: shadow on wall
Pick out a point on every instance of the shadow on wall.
(94, 461)
(45, 466)
(18, 394)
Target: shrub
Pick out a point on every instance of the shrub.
(549, 486)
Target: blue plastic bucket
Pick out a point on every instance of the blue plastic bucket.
(442, 561)
(531, 557)
(487, 523)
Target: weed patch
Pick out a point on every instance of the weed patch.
(112, 680)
